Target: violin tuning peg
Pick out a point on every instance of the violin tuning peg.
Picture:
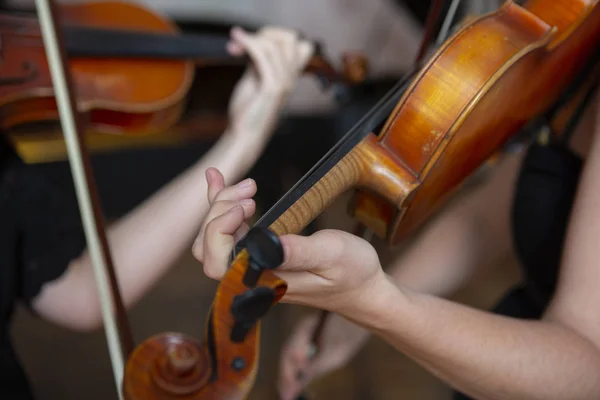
(356, 67)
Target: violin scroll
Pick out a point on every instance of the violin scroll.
(176, 366)
(355, 69)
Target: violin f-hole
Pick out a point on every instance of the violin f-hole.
(20, 74)
(27, 73)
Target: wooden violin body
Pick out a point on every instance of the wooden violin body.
(481, 87)
(117, 95)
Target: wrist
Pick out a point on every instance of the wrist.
(244, 143)
(233, 155)
(372, 309)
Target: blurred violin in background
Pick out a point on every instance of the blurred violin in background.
(135, 73)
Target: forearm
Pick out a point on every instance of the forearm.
(466, 236)
(443, 258)
(484, 355)
(154, 234)
(148, 240)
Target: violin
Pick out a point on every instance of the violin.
(132, 69)
(487, 82)
(482, 86)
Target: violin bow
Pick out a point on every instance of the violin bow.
(431, 23)
(118, 333)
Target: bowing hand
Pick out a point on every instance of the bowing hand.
(278, 57)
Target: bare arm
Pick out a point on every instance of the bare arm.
(489, 356)
(463, 238)
(146, 242)
(460, 241)
(486, 356)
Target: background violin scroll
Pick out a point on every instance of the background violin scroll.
(355, 69)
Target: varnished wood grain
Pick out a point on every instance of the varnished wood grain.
(368, 165)
(141, 96)
(478, 90)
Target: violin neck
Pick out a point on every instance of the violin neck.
(203, 49)
(109, 43)
(335, 173)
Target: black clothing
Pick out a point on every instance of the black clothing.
(541, 210)
(40, 233)
(542, 206)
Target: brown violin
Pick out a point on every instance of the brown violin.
(489, 80)
(132, 69)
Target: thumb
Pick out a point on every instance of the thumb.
(318, 250)
(303, 55)
(218, 248)
(216, 183)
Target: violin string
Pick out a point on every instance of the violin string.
(445, 29)
(67, 119)
(368, 122)
(430, 24)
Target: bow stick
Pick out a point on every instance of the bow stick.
(117, 330)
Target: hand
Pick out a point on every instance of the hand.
(224, 222)
(278, 57)
(340, 341)
(330, 269)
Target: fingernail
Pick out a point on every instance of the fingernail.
(207, 173)
(237, 31)
(247, 202)
(245, 183)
